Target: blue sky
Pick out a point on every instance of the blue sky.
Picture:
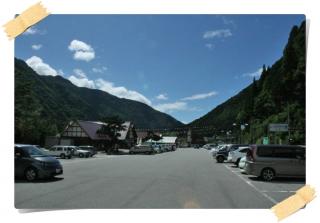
(184, 65)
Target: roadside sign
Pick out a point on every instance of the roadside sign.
(278, 127)
(265, 140)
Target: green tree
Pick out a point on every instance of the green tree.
(27, 113)
(112, 127)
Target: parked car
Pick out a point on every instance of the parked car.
(41, 148)
(270, 161)
(209, 146)
(32, 163)
(143, 148)
(236, 155)
(242, 162)
(61, 151)
(223, 153)
(91, 149)
(157, 148)
(80, 152)
(214, 150)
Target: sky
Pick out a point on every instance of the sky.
(183, 65)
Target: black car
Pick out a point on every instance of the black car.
(223, 153)
(32, 163)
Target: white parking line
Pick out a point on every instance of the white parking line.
(254, 187)
(280, 191)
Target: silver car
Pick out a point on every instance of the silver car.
(143, 148)
(270, 161)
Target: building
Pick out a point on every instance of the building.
(166, 140)
(142, 135)
(85, 133)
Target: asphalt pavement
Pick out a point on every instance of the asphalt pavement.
(186, 178)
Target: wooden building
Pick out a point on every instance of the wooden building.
(85, 133)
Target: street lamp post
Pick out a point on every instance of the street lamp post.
(234, 126)
(242, 128)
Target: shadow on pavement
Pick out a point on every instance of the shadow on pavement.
(50, 180)
(279, 180)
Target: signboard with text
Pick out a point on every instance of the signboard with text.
(265, 141)
(278, 127)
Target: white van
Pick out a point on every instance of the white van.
(61, 151)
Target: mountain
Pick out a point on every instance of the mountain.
(277, 97)
(45, 104)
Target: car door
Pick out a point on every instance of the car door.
(55, 151)
(285, 161)
(299, 162)
(21, 161)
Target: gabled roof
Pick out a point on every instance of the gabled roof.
(91, 128)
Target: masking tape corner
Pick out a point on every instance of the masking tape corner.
(294, 203)
(27, 18)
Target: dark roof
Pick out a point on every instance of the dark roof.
(91, 128)
(142, 135)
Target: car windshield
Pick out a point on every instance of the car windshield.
(33, 151)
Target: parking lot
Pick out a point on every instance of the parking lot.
(186, 178)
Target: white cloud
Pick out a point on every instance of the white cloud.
(210, 46)
(82, 50)
(227, 21)
(31, 31)
(99, 69)
(169, 107)
(121, 92)
(81, 55)
(82, 82)
(253, 74)
(200, 96)
(40, 67)
(77, 45)
(220, 33)
(162, 97)
(60, 72)
(36, 46)
(79, 73)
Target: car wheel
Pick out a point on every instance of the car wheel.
(268, 174)
(237, 162)
(62, 156)
(31, 174)
(80, 155)
(220, 159)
